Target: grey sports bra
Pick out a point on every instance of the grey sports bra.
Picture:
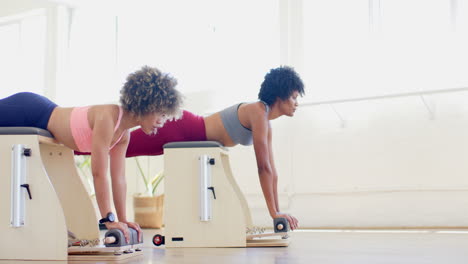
(238, 133)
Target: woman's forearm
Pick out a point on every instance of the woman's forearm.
(267, 184)
(119, 190)
(101, 189)
(119, 183)
(275, 190)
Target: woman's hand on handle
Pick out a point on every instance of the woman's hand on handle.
(136, 226)
(122, 227)
(293, 222)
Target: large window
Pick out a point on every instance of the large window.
(352, 48)
(90, 69)
(22, 53)
(366, 48)
(221, 47)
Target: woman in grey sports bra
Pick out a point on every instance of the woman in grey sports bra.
(238, 133)
(244, 123)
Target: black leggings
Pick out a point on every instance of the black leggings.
(25, 110)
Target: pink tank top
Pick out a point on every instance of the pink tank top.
(82, 133)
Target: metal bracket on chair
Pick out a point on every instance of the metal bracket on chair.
(19, 187)
(205, 187)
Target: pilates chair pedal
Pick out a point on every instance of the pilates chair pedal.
(113, 247)
(258, 238)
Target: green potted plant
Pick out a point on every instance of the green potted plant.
(148, 206)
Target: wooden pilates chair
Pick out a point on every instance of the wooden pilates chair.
(204, 206)
(41, 197)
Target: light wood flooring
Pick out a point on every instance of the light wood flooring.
(321, 246)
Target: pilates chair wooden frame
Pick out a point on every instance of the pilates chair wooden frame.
(59, 201)
(204, 206)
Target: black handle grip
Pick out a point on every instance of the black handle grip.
(212, 189)
(27, 152)
(27, 189)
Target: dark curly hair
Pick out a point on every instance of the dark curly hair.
(280, 83)
(148, 91)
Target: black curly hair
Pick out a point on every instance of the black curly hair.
(280, 83)
(148, 91)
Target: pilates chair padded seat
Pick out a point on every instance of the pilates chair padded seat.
(194, 144)
(25, 131)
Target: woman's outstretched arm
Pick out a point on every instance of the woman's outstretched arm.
(262, 139)
(103, 132)
(293, 222)
(119, 183)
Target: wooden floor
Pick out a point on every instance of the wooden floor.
(330, 246)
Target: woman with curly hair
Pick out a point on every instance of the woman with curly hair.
(148, 98)
(243, 123)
